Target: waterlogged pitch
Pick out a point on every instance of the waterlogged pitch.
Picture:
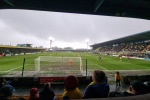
(13, 64)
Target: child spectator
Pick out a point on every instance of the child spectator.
(98, 88)
(136, 88)
(46, 93)
(71, 88)
(33, 94)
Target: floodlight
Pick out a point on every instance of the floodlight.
(87, 40)
(51, 38)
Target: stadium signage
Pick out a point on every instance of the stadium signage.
(51, 79)
(8, 54)
(1, 55)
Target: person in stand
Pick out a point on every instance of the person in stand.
(4, 82)
(98, 88)
(6, 93)
(136, 88)
(46, 93)
(71, 88)
(117, 79)
(33, 94)
(148, 85)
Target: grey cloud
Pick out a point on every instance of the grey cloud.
(66, 27)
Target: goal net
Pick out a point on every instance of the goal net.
(58, 65)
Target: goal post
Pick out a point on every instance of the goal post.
(37, 64)
(59, 64)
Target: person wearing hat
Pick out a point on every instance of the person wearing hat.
(98, 88)
(6, 92)
(136, 88)
(148, 85)
(33, 94)
(46, 93)
(71, 88)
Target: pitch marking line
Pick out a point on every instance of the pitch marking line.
(16, 68)
(101, 67)
(130, 63)
(136, 65)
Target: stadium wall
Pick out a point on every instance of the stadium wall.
(26, 81)
(32, 81)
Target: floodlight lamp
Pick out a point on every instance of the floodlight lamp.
(87, 40)
(50, 38)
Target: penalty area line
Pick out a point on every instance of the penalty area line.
(16, 68)
(101, 67)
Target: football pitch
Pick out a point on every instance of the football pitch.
(108, 64)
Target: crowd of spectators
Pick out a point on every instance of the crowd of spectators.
(18, 50)
(137, 47)
(98, 88)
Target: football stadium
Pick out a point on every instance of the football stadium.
(133, 50)
(106, 68)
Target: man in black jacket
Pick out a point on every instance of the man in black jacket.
(46, 93)
(136, 88)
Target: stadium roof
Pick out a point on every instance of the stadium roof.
(122, 8)
(128, 39)
(3, 46)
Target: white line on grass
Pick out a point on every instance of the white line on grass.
(101, 67)
(135, 65)
(129, 63)
(16, 68)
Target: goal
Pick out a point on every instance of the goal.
(58, 64)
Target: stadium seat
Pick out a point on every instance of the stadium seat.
(60, 97)
(82, 94)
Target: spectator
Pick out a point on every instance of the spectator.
(33, 94)
(6, 93)
(98, 88)
(148, 85)
(4, 82)
(71, 88)
(46, 93)
(136, 88)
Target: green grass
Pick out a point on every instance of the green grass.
(107, 63)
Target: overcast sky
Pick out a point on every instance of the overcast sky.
(35, 27)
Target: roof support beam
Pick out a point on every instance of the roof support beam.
(8, 1)
(98, 4)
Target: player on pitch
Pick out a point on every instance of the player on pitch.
(70, 61)
(99, 57)
(120, 58)
(128, 58)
